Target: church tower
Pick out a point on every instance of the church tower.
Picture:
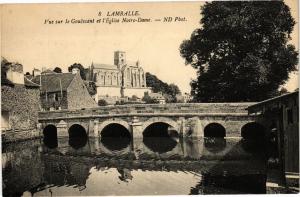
(119, 58)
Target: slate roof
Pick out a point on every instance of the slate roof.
(105, 66)
(51, 82)
(29, 83)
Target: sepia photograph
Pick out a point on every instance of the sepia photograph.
(149, 98)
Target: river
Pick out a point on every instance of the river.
(124, 166)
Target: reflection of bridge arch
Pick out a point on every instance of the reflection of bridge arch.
(110, 152)
(113, 121)
(172, 123)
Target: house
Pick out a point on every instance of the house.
(280, 117)
(20, 101)
(158, 97)
(63, 91)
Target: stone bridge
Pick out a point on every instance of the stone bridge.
(187, 120)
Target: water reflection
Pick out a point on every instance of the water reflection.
(253, 145)
(115, 144)
(50, 142)
(244, 184)
(122, 167)
(215, 145)
(160, 145)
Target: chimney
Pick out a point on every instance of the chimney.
(36, 72)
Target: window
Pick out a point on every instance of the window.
(290, 116)
(56, 97)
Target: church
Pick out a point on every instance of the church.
(123, 79)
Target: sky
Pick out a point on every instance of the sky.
(25, 38)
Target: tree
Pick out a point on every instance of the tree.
(283, 91)
(241, 51)
(147, 99)
(159, 86)
(80, 67)
(102, 102)
(91, 87)
(173, 90)
(57, 70)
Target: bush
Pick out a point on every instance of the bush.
(102, 102)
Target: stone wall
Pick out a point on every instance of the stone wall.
(78, 95)
(22, 105)
(110, 91)
(139, 92)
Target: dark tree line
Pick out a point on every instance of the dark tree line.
(241, 51)
(169, 90)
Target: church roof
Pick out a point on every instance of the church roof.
(51, 82)
(105, 66)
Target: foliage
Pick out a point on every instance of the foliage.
(57, 70)
(159, 86)
(91, 87)
(240, 51)
(102, 102)
(283, 91)
(80, 67)
(147, 99)
(134, 98)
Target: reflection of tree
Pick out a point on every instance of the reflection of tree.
(223, 184)
(61, 171)
(125, 174)
(24, 172)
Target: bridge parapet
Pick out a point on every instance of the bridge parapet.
(175, 109)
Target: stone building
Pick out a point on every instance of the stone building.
(122, 79)
(158, 97)
(63, 91)
(20, 102)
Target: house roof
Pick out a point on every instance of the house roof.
(51, 82)
(258, 105)
(29, 83)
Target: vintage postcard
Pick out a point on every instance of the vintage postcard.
(150, 98)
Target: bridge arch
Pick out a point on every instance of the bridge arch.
(110, 122)
(214, 130)
(164, 120)
(77, 136)
(50, 136)
(253, 130)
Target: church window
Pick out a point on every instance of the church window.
(128, 73)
